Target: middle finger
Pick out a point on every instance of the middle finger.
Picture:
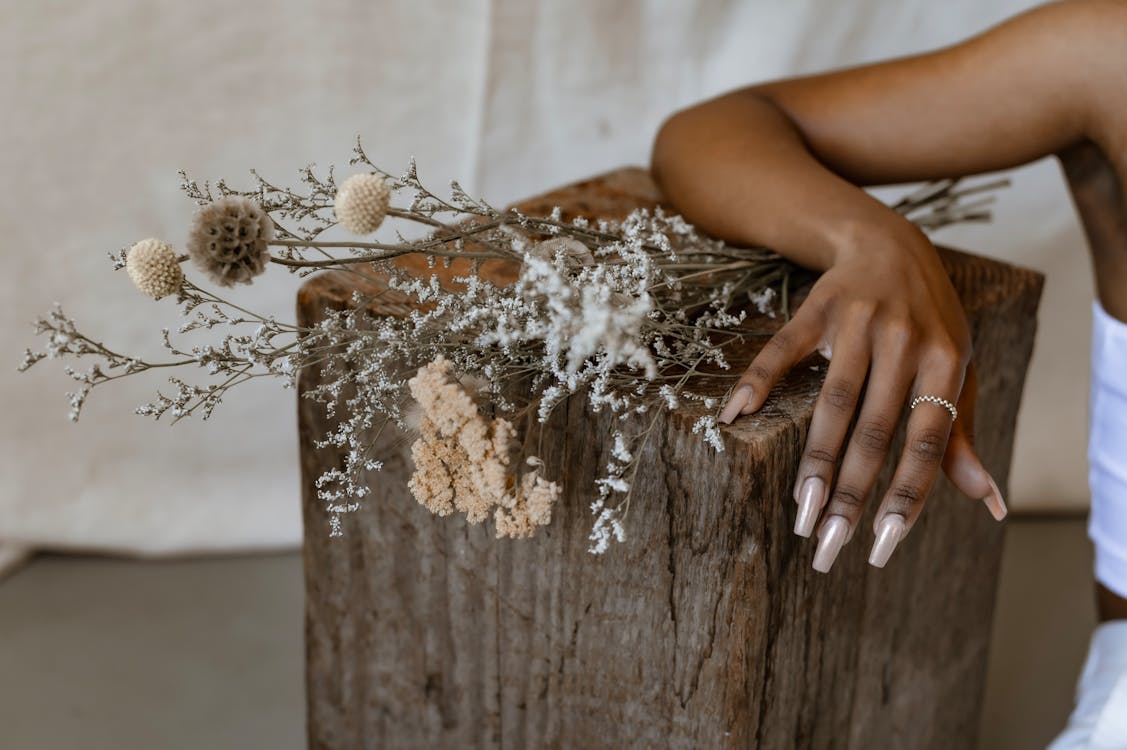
(885, 394)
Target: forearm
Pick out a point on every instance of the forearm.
(776, 164)
(738, 167)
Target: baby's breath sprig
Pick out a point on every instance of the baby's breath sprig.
(632, 313)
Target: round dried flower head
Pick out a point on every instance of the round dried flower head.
(229, 240)
(361, 203)
(575, 253)
(153, 268)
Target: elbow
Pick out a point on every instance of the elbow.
(671, 145)
(704, 131)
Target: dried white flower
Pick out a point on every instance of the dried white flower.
(361, 203)
(629, 313)
(153, 268)
(763, 300)
(607, 525)
(708, 427)
(229, 240)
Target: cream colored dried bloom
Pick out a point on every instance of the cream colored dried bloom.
(153, 268)
(361, 203)
(463, 460)
(229, 240)
(532, 508)
(431, 484)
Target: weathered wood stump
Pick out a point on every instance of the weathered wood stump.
(707, 628)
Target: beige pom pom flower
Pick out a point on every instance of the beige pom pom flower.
(153, 268)
(575, 253)
(229, 240)
(361, 203)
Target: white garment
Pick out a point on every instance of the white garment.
(1099, 721)
(1107, 449)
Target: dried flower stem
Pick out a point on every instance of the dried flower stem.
(631, 313)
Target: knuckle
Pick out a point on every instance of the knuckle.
(900, 334)
(820, 454)
(782, 342)
(757, 374)
(848, 496)
(945, 352)
(873, 437)
(839, 394)
(903, 498)
(928, 445)
(862, 310)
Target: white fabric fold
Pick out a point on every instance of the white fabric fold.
(1099, 719)
(1107, 448)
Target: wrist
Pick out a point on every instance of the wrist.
(887, 238)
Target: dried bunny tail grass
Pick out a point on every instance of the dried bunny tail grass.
(154, 269)
(361, 203)
(229, 240)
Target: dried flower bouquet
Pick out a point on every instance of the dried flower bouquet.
(632, 313)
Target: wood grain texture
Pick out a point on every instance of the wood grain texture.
(707, 628)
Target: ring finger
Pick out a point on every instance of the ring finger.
(929, 429)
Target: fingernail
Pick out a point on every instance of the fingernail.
(830, 541)
(809, 505)
(889, 534)
(994, 501)
(736, 402)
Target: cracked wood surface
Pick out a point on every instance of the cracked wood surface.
(707, 628)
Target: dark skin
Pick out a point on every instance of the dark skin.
(747, 167)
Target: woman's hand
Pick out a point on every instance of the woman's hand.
(885, 309)
(780, 165)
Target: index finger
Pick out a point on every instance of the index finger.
(784, 350)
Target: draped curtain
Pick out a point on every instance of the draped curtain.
(105, 102)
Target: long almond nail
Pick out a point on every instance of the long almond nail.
(994, 501)
(739, 397)
(810, 502)
(830, 541)
(889, 534)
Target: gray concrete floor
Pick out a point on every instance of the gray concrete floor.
(1045, 614)
(106, 653)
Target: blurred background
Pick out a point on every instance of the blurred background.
(103, 103)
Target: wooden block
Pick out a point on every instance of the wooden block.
(707, 628)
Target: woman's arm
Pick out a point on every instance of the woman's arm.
(779, 165)
(751, 165)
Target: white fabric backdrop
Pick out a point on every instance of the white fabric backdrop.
(104, 102)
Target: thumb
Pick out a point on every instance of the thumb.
(961, 462)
